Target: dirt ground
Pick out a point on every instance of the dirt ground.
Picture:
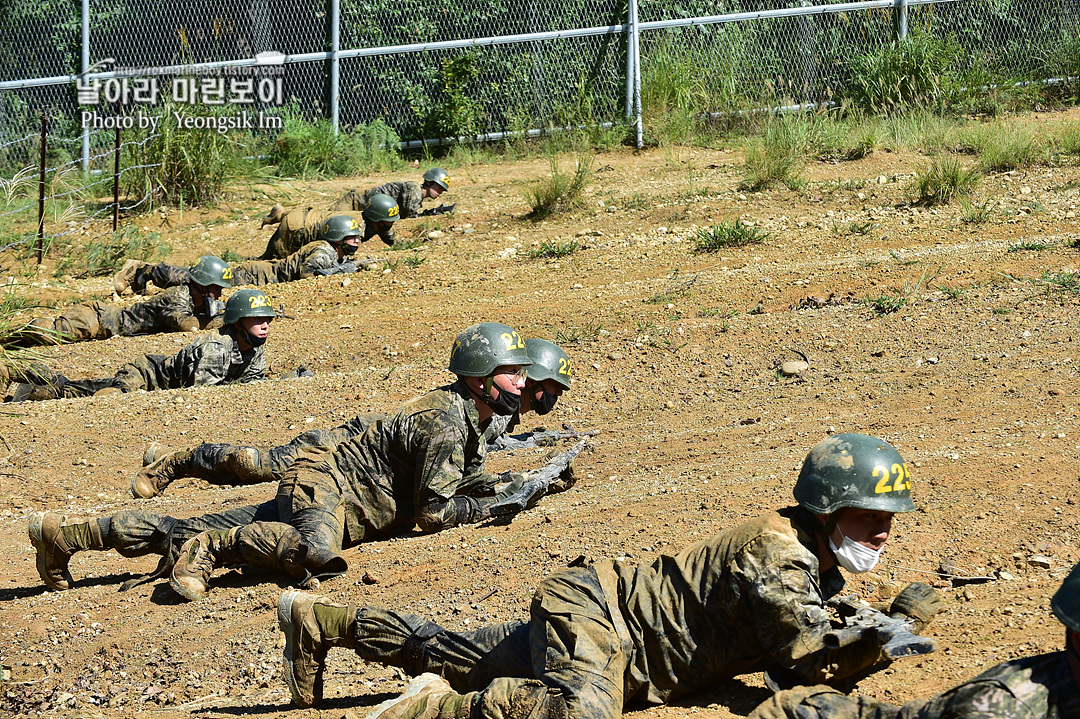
(677, 359)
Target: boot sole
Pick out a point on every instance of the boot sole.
(285, 624)
(185, 592)
(39, 550)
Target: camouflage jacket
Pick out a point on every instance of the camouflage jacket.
(171, 311)
(742, 601)
(408, 195)
(212, 359)
(1039, 687)
(410, 467)
(305, 262)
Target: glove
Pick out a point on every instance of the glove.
(341, 268)
(567, 479)
(213, 307)
(918, 601)
(301, 371)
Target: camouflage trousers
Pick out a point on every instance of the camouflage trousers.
(299, 227)
(351, 201)
(239, 464)
(96, 321)
(821, 702)
(569, 643)
(162, 275)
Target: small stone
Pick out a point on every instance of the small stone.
(1005, 576)
(662, 230)
(669, 405)
(615, 356)
(1040, 561)
(793, 367)
(881, 179)
(386, 271)
(1025, 190)
(931, 360)
(434, 234)
(346, 282)
(369, 578)
(669, 306)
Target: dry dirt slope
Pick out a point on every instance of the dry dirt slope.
(974, 380)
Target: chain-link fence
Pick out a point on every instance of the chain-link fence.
(441, 68)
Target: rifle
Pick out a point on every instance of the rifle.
(538, 482)
(893, 633)
(536, 438)
(440, 210)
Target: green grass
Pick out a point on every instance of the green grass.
(573, 334)
(900, 75)
(777, 156)
(953, 293)
(312, 149)
(410, 244)
(547, 250)
(975, 213)
(725, 235)
(104, 257)
(1065, 282)
(415, 260)
(885, 304)
(561, 191)
(944, 179)
(227, 254)
(1030, 246)
(900, 260)
(1002, 146)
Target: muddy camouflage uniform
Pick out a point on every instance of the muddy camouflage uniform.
(301, 226)
(170, 311)
(1039, 687)
(412, 467)
(745, 600)
(408, 195)
(314, 258)
(212, 359)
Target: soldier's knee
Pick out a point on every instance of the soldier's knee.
(248, 466)
(507, 698)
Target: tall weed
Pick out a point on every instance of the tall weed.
(901, 74)
(561, 191)
(942, 180)
(312, 149)
(778, 155)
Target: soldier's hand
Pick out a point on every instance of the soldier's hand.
(918, 601)
(567, 479)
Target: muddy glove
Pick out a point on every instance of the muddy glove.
(341, 268)
(565, 480)
(918, 601)
(440, 210)
(213, 307)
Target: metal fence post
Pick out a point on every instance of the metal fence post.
(116, 185)
(900, 19)
(41, 195)
(630, 7)
(85, 69)
(334, 18)
(636, 55)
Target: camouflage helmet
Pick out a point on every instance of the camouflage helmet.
(1066, 601)
(211, 270)
(439, 176)
(854, 470)
(548, 362)
(480, 349)
(381, 208)
(247, 303)
(338, 227)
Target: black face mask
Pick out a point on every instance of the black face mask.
(348, 249)
(252, 339)
(545, 404)
(505, 405)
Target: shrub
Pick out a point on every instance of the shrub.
(313, 149)
(778, 154)
(559, 192)
(901, 74)
(726, 234)
(942, 180)
(551, 250)
(104, 257)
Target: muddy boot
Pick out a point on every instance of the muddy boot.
(199, 557)
(131, 276)
(151, 480)
(274, 216)
(427, 696)
(312, 624)
(26, 392)
(55, 547)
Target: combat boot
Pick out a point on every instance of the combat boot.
(26, 392)
(274, 216)
(199, 557)
(427, 696)
(54, 550)
(131, 276)
(306, 642)
(153, 451)
(151, 480)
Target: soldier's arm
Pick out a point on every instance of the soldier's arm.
(318, 263)
(783, 595)
(207, 364)
(440, 466)
(409, 200)
(176, 315)
(256, 369)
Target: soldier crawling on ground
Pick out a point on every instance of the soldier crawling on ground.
(235, 353)
(299, 225)
(330, 254)
(408, 195)
(191, 307)
(422, 466)
(1045, 686)
(549, 376)
(751, 598)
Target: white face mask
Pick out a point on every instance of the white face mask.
(853, 556)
